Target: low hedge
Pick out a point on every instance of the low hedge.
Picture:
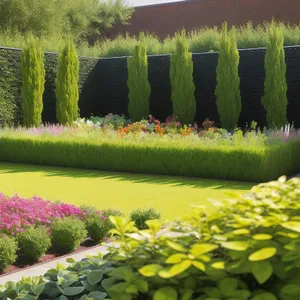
(246, 250)
(248, 163)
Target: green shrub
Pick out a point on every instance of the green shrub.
(67, 93)
(97, 224)
(141, 216)
(181, 75)
(67, 234)
(8, 250)
(33, 243)
(275, 98)
(33, 80)
(247, 249)
(228, 81)
(235, 161)
(138, 84)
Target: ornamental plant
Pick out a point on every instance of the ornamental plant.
(227, 91)
(141, 216)
(246, 249)
(33, 80)
(138, 84)
(34, 242)
(67, 234)
(181, 76)
(275, 98)
(67, 93)
(8, 250)
(16, 214)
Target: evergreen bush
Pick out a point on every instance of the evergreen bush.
(67, 92)
(275, 98)
(8, 250)
(33, 81)
(181, 76)
(138, 84)
(227, 91)
(33, 243)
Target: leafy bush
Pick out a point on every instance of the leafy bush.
(141, 216)
(247, 249)
(67, 234)
(98, 224)
(255, 157)
(138, 84)
(275, 98)
(8, 250)
(34, 242)
(67, 93)
(183, 87)
(33, 80)
(229, 102)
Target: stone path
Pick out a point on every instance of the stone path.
(42, 268)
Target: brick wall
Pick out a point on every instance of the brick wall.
(165, 19)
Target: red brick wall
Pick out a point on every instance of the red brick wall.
(165, 19)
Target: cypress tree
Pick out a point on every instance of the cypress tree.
(227, 91)
(181, 76)
(275, 98)
(67, 93)
(33, 80)
(138, 84)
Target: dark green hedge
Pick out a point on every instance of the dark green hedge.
(235, 163)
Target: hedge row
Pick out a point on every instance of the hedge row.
(246, 163)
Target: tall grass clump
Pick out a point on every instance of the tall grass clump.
(275, 97)
(67, 93)
(204, 40)
(138, 84)
(229, 103)
(33, 80)
(183, 87)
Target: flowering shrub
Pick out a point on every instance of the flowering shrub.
(17, 213)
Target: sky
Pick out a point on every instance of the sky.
(137, 3)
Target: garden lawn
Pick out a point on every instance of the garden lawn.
(172, 196)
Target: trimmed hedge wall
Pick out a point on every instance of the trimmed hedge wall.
(236, 163)
(103, 85)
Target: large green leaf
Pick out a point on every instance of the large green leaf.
(262, 271)
(200, 249)
(292, 225)
(150, 270)
(227, 285)
(263, 254)
(264, 296)
(237, 246)
(73, 291)
(291, 290)
(165, 293)
(262, 237)
(95, 276)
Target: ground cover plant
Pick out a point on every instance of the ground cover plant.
(158, 148)
(246, 250)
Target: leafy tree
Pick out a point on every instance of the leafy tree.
(181, 75)
(33, 80)
(275, 98)
(77, 18)
(228, 81)
(138, 84)
(67, 93)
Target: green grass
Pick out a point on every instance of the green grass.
(172, 196)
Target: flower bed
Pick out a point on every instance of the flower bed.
(34, 230)
(248, 249)
(152, 147)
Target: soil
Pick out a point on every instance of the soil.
(22, 263)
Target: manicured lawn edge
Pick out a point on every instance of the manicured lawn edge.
(242, 163)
